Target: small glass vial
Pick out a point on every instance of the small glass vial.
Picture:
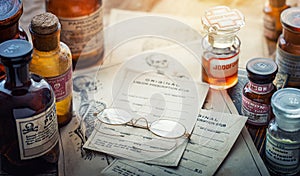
(257, 93)
(221, 46)
(288, 46)
(82, 29)
(28, 124)
(282, 152)
(272, 25)
(10, 13)
(52, 59)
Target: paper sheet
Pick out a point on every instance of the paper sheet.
(212, 139)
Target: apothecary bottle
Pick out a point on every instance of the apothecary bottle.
(221, 46)
(82, 25)
(257, 93)
(52, 59)
(28, 123)
(288, 46)
(10, 13)
(272, 24)
(282, 150)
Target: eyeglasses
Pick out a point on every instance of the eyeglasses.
(165, 128)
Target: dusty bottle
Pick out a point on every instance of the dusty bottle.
(288, 46)
(282, 151)
(82, 27)
(221, 47)
(52, 59)
(257, 93)
(10, 13)
(272, 24)
(28, 123)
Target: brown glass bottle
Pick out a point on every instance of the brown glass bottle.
(257, 93)
(52, 59)
(272, 25)
(288, 46)
(10, 13)
(82, 27)
(28, 123)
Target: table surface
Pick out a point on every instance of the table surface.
(251, 35)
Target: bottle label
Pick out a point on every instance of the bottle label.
(83, 34)
(260, 88)
(62, 85)
(289, 63)
(37, 135)
(282, 156)
(223, 67)
(257, 113)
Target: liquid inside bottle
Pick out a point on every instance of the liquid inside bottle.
(28, 123)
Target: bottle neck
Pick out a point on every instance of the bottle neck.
(46, 42)
(291, 36)
(221, 40)
(17, 76)
(9, 32)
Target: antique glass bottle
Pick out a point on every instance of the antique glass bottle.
(282, 152)
(221, 47)
(288, 46)
(52, 59)
(10, 13)
(257, 93)
(28, 123)
(272, 24)
(82, 27)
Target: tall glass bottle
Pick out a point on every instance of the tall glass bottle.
(52, 59)
(272, 25)
(221, 47)
(28, 124)
(288, 46)
(10, 13)
(82, 27)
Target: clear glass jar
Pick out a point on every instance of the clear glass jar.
(282, 150)
(221, 46)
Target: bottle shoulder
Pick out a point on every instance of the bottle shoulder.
(281, 135)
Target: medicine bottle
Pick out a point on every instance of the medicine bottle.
(52, 59)
(10, 13)
(288, 46)
(221, 46)
(82, 29)
(272, 24)
(28, 123)
(257, 93)
(282, 150)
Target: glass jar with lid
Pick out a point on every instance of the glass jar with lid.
(282, 150)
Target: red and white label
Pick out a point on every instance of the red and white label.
(223, 67)
(261, 88)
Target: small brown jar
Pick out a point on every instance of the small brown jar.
(257, 93)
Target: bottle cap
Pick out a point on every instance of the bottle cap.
(261, 70)
(222, 19)
(15, 51)
(45, 23)
(10, 9)
(277, 3)
(290, 18)
(286, 107)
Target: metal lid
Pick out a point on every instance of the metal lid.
(15, 51)
(286, 107)
(290, 18)
(261, 69)
(9, 8)
(222, 19)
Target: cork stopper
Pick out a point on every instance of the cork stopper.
(45, 23)
(45, 31)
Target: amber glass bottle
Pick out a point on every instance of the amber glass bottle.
(257, 93)
(272, 25)
(82, 27)
(10, 13)
(28, 123)
(52, 59)
(288, 46)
